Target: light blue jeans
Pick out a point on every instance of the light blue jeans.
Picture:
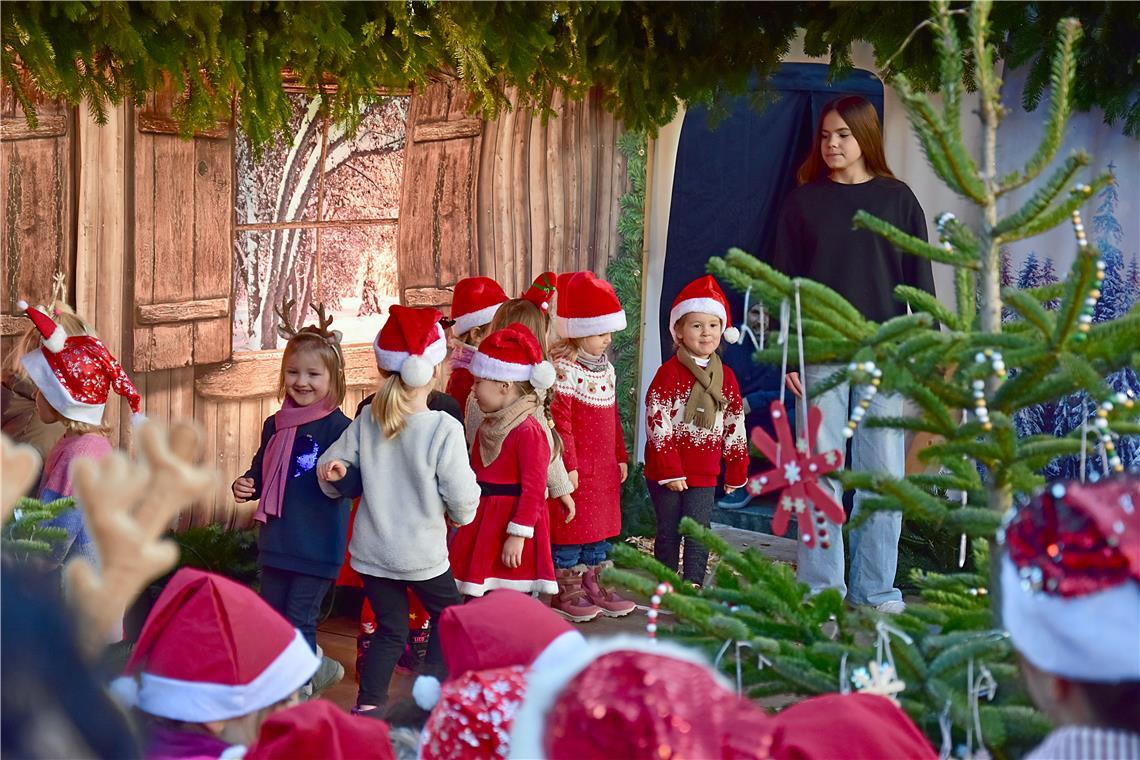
(874, 544)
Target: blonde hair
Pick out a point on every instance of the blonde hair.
(565, 348)
(329, 354)
(391, 404)
(474, 336)
(528, 315)
(31, 339)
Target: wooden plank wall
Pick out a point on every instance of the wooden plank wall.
(549, 193)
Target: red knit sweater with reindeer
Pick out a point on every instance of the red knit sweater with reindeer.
(677, 449)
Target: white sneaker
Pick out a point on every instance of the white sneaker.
(892, 607)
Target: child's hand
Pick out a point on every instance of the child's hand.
(568, 506)
(243, 489)
(623, 470)
(331, 472)
(573, 474)
(678, 485)
(794, 383)
(512, 551)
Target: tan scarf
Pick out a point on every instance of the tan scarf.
(707, 397)
(496, 426)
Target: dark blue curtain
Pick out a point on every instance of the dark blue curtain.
(730, 179)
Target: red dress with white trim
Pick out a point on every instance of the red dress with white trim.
(586, 418)
(513, 502)
(677, 449)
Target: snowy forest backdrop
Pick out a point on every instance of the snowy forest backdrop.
(1112, 222)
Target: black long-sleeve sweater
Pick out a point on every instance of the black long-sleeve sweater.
(815, 239)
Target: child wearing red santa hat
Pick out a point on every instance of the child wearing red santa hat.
(586, 418)
(411, 467)
(694, 422)
(490, 645)
(213, 660)
(74, 376)
(1070, 584)
(320, 729)
(474, 303)
(508, 543)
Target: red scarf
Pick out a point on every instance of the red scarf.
(279, 451)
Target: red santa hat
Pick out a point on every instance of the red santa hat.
(211, 649)
(587, 306)
(1071, 580)
(542, 290)
(76, 373)
(628, 697)
(318, 728)
(850, 726)
(498, 630)
(411, 343)
(513, 355)
(474, 303)
(706, 297)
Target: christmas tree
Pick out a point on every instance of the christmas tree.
(27, 534)
(948, 649)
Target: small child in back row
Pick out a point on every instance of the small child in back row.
(474, 304)
(586, 417)
(414, 474)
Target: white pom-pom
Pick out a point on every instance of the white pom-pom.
(542, 376)
(125, 691)
(732, 335)
(416, 371)
(57, 340)
(21, 305)
(138, 419)
(425, 691)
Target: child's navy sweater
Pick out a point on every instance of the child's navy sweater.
(311, 535)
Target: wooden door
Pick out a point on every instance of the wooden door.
(436, 240)
(183, 241)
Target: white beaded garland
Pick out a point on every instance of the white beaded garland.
(869, 392)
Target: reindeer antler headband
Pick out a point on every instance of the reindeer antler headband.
(286, 330)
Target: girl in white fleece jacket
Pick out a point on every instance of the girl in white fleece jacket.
(411, 467)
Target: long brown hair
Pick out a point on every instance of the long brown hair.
(528, 315)
(863, 121)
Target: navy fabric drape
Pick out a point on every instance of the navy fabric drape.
(730, 179)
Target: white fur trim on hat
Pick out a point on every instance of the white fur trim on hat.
(198, 702)
(583, 327)
(556, 652)
(544, 686)
(57, 340)
(731, 335)
(489, 368)
(393, 361)
(426, 691)
(1095, 637)
(40, 372)
(543, 376)
(701, 305)
(475, 319)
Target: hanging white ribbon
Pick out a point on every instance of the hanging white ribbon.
(803, 372)
(883, 643)
(944, 726)
(984, 686)
(758, 344)
(739, 674)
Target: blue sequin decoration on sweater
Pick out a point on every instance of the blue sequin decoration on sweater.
(307, 461)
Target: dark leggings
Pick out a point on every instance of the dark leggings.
(389, 600)
(297, 597)
(671, 506)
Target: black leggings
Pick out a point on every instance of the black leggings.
(671, 506)
(389, 600)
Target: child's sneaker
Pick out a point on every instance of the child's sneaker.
(610, 603)
(571, 601)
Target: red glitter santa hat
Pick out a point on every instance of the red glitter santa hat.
(542, 290)
(635, 697)
(411, 343)
(854, 727)
(587, 306)
(513, 355)
(1071, 580)
(474, 303)
(76, 373)
(498, 630)
(318, 728)
(211, 649)
(706, 297)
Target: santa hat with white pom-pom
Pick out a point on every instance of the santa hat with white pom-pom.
(706, 297)
(76, 373)
(513, 355)
(411, 343)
